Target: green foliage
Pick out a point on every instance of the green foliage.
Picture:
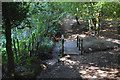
(41, 24)
(34, 24)
(15, 12)
(111, 10)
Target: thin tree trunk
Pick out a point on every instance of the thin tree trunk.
(100, 22)
(33, 43)
(33, 48)
(15, 49)
(9, 49)
(99, 26)
(96, 26)
(118, 29)
(18, 46)
(37, 47)
(89, 22)
(77, 20)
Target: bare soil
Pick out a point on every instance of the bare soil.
(104, 65)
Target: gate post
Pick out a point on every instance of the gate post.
(81, 46)
(77, 41)
(62, 37)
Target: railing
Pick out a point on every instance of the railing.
(62, 39)
(80, 44)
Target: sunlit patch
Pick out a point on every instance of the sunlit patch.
(43, 66)
(74, 20)
(109, 30)
(74, 37)
(90, 49)
(104, 30)
(117, 35)
(82, 35)
(108, 19)
(97, 72)
(91, 63)
(71, 62)
(83, 72)
(93, 67)
(100, 71)
(110, 39)
(113, 53)
(111, 26)
(113, 40)
(63, 59)
(101, 37)
(67, 56)
(71, 66)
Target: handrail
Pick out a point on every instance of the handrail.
(62, 39)
(80, 44)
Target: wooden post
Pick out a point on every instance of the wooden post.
(62, 37)
(81, 46)
(77, 42)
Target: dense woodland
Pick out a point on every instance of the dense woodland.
(30, 30)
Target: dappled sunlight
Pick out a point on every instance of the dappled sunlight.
(108, 30)
(82, 35)
(101, 37)
(111, 26)
(73, 20)
(43, 66)
(110, 39)
(114, 53)
(38, 37)
(69, 62)
(64, 58)
(90, 70)
(110, 33)
(113, 40)
(98, 72)
(109, 19)
(74, 37)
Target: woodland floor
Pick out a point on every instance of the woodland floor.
(94, 65)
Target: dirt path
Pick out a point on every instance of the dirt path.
(98, 65)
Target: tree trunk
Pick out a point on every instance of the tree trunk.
(77, 20)
(118, 29)
(18, 46)
(9, 49)
(29, 48)
(98, 23)
(89, 22)
(15, 50)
